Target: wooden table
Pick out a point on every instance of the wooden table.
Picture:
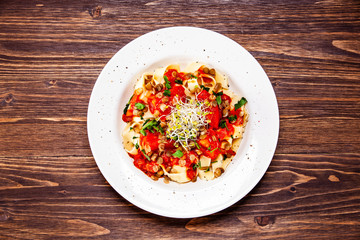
(51, 53)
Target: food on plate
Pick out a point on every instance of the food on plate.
(183, 124)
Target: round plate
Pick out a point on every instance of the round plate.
(182, 45)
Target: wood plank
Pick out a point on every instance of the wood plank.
(51, 54)
(287, 198)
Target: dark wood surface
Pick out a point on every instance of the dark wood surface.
(51, 53)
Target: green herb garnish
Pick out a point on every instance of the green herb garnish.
(167, 82)
(127, 105)
(159, 129)
(232, 118)
(240, 103)
(126, 108)
(167, 93)
(205, 88)
(197, 145)
(179, 82)
(197, 165)
(146, 121)
(223, 124)
(151, 126)
(218, 100)
(139, 106)
(178, 154)
(147, 157)
(218, 94)
(213, 150)
(137, 146)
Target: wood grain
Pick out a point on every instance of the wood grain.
(51, 53)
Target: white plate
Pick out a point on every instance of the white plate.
(182, 45)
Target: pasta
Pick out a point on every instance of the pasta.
(183, 125)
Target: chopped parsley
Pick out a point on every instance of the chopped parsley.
(127, 105)
(213, 150)
(240, 103)
(205, 88)
(142, 131)
(151, 126)
(137, 146)
(218, 100)
(167, 93)
(147, 157)
(126, 108)
(218, 97)
(232, 118)
(139, 106)
(178, 154)
(167, 82)
(197, 165)
(197, 145)
(179, 82)
(223, 124)
(159, 129)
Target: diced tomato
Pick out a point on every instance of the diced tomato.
(169, 75)
(127, 118)
(200, 71)
(166, 161)
(152, 167)
(155, 103)
(230, 151)
(139, 161)
(240, 120)
(191, 173)
(203, 95)
(148, 167)
(152, 102)
(214, 117)
(207, 80)
(213, 153)
(221, 133)
(189, 156)
(151, 139)
(177, 91)
(225, 97)
(169, 144)
(204, 142)
(182, 76)
(213, 149)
